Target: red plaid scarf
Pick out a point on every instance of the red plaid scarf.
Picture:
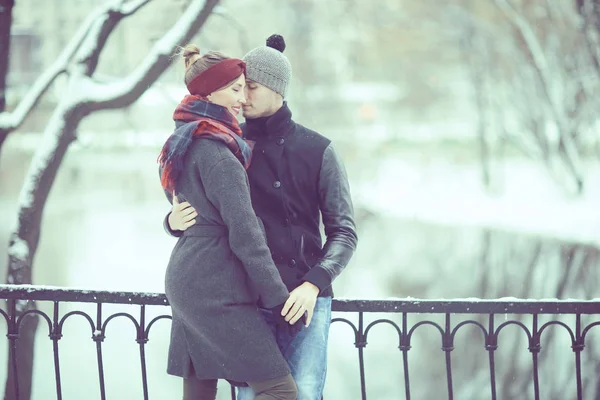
(195, 117)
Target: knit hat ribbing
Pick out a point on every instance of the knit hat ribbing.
(268, 66)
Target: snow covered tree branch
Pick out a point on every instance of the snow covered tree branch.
(131, 7)
(112, 11)
(102, 96)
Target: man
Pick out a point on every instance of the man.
(295, 178)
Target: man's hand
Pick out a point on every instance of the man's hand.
(182, 215)
(302, 300)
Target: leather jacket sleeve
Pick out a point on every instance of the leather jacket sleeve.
(338, 219)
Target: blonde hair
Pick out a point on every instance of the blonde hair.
(195, 63)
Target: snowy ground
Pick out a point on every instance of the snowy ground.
(526, 200)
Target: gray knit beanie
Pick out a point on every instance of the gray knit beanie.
(268, 66)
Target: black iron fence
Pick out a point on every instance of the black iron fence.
(488, 311)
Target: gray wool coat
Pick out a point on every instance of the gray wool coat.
(217, 271)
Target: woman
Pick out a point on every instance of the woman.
(221, 265)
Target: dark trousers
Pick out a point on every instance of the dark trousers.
(283, 388)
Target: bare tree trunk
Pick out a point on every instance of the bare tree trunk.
(589, 10)
(475, 66)
(567, 149)
(60, 132)
(24, 242)
(6, 7)
(485, 262)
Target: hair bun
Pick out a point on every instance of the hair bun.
(276, 42)
(191, 53)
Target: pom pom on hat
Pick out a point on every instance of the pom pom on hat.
(276, 42)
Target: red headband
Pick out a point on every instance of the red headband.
(216, 77)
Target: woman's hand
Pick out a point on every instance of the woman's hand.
(182, 216)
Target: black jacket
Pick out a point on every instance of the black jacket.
(296, 178)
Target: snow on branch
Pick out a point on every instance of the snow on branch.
(18, 248)
(131, 7)
(10, 121)
(88, 55)
(125, 91)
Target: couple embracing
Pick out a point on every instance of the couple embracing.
(249, 279)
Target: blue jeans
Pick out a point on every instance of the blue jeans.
(306, 353)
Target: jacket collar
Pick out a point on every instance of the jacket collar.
(278, 124)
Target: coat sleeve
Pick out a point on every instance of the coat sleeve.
(172, 232)
(337, 211)
(227, 188)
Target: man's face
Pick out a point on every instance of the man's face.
(260, 101)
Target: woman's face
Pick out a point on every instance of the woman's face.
(231, 96)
